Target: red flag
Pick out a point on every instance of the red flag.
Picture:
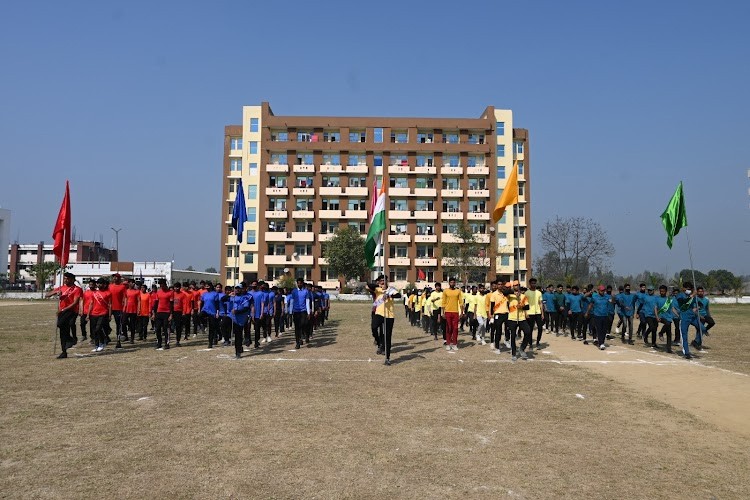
(61, 232)
(420, 275)
(374, 200)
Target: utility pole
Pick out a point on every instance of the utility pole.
(117, 241)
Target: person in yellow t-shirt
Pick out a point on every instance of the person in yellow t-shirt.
(453, 303)
(481, 314)
(470, 306)
(499, 316)
(436, 302)
(382, 317)
(536, 311)
(518, 307)
(463, 314)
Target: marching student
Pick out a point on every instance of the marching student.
(300, 304)
(86, 299)
(452, 305)
(225, 320)
(278, 310)
(270, 303)
(436, 303)
(640, 297)
(327, 303)
(481, 315)
(706, 321)
(117, 289)
(688, 307)
(626, 303)
(598, 308)
(99, 313)
(288, 307)
(611, 306)
(259, 312)
(574, 306)
(383, 317)
(499, 308)
(548, 302)
(209, 314)
(562, 312)
(70, 297)
(240, 306)
(663, 310)
(518, 306)
(535, 314)
(471, 305)
(145, 305)
(648, 304)
(163, 313)
(130, 310)
(178, 298)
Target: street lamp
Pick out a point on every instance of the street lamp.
(117, 241)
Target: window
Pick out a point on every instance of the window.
(451, 228)
(502, 239)
(399, 136)
(520, 167)
(303, 249)
(451, 183)
(303, 204)
(331, 204)
(252, 192)
(358, 226)
(328, 227)
(518, 210)
(425, 182)
(323, 274)
(450, 137)
(280, 136)
(378, 133)
(332, 159)
(398, 228)
(278, 204)
(230, 231)
(278, 158)
(397, 204)
(501, 172)
(478, 227)
(477, 183)
(235, 143)
(253, 147)
(505, 260)
(251, 237)
(253, 169)
(305, 182)
(450, 160)
(500, 128)
(252, 214)
(331, 137)
(425, 228)
(303, 272)
(477, 207)
(304, 136)
(519, 232)
(278, 181)
(425, 137)
(249, 257)
(357, 181)
(229, 274)
(357, 136)
(304, 227)
(475, 161)
(397, 251)
(451, 206)
(520, 254)
(357, 205)
(501, 150)
(518, 147)
(275, 273)
(425, 205)
(235, 165)
(304, 159)
(253, 124)
(277, 226)
(425, 251)
(276, 249)
(357, 159)
(425, 161)
(378, 160)
(398, 182)
(332, 181)
(230, 251)
(399, 159)
(521, 189)
(476, 138)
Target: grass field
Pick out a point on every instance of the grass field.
(330, 421)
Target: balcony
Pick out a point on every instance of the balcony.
(329, 285)
(330, 191)
(326, 236)
(277, 191)
(399, 261)
(478, 193)
(304, 191)
(482, 238)
(425, 238)
(355, 191)
(425, 214)
(451, 171)
(478, 170)
(425, 192)
(277, 167)
(399, 191)
(322, 261)
(451, 215)
(275, 214)
(303, 236)
(331, 169)
(305, 169)
(399, 169)
(356, 169)
(302, 260)
(519, 156)
(450, 238)
(303, 214)
(275, 259)
(425, 170)
(399, 214)
(329, 214)
(425, 262)
(274, 236)
(399, 238)
(452, 193)
(355, 214)
(478, 216)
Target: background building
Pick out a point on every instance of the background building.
(306, 176)
(23, 256)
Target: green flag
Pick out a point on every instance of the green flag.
(674, 217)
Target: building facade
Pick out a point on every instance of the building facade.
(23, 256)
(4, 239)
(305, 176)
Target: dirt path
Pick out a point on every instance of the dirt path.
(720, 397)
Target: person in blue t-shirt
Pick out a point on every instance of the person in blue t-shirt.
(278, 310)
(209, 314)
(327, 304)
(626, 303)
(665, 314)
(240, 310)
(289, 320)
(224, 319)
(548, 301)
(706, 321)
(259, 311)
(269, 305)
(648, 305)
(640, 296)
(598, 308)
(610, 309)
(587, 323)
(573, 304)
(301, 306)
(688, 307)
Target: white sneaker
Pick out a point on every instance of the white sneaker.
(100, 348)
(617, 330)
(483, 342)
(455, 347)
(513, 358)
(95, 349)
(507, 344)
(602, 347)
(497, 351)
(523, 355)
(447, 347)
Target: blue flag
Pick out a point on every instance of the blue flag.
(239, 212)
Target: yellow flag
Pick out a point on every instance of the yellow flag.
(509, 196)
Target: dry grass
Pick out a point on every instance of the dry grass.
(335, 425)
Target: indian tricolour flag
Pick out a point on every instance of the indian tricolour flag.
(377, 226)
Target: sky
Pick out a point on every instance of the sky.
(128, 101)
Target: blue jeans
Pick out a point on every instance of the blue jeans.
(684, 326)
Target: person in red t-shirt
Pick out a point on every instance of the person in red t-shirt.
(118, 289)
(198, 320)
(164, 306)
(88, 296)
(70, 297)
(130, 310)
(145, 303)
(99, 312)
(177, 312)
(187, 311)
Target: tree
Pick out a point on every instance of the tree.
(43, 272)
(738, 286)
(724, 279)
(345, 253)
(285, 281)
(465, 259)
(580, 244)
(210, 270)
(687, 275)
(190, 268)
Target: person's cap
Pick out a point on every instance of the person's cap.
(650, 287)
(602, 288)
(70, 275)
(238, 287)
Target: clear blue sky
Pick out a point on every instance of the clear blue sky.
(622, 99)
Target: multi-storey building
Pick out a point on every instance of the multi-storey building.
(23, 256)
(306, 176)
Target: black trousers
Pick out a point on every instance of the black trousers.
(84, 322)
(65, 322)
(213, 327)
(300, 327)
(513, 327)
(651, 327)
(436, 325)
(161, 324)
(499, 322)
(177, 325)
(383, 328)
(258, 323)
(708, 322)
(667, 328)
(278, 323)
(237, 330)
(186, 324)
(142, 327)
(600, 327)
(225, 325)
(99, 329)
(117, 315)
(535, 320)
(129, 324)
(573, 319)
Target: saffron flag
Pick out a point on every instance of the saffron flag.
(61, 232)
(420, 275)
(239, 212)
(509, 196)
(674, 216)
(377, 226)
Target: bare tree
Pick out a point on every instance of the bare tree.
(580, 245)
(466, 257)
